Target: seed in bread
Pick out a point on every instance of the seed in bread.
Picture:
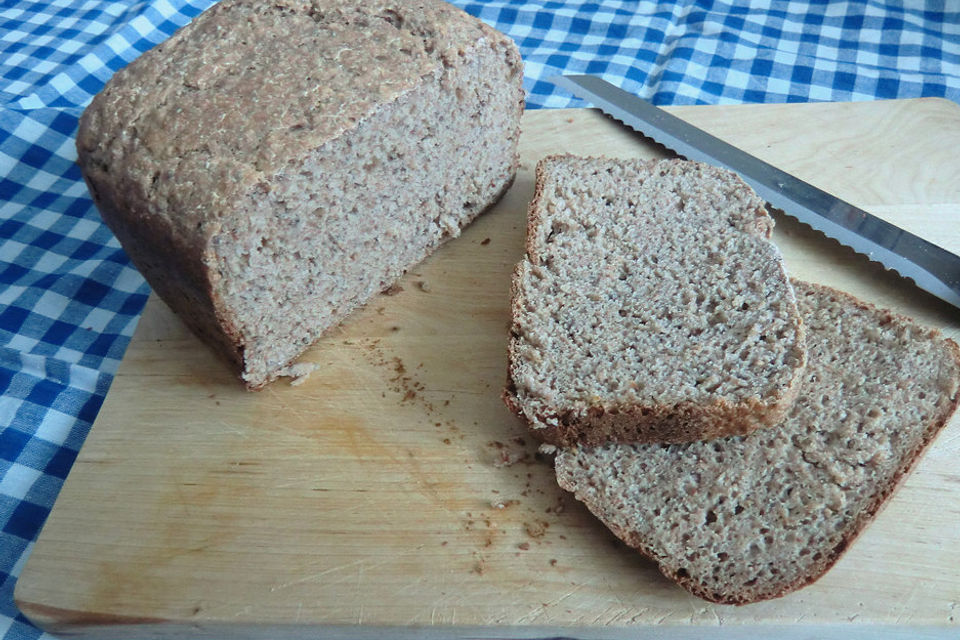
(651, 306)
(753, 517)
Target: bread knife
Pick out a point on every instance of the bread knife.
(930, 267)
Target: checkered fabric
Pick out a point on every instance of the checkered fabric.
(69, 300)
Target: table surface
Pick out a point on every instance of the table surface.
(69, 300)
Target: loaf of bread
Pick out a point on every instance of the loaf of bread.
(651, 306)
(752, 517)
(274, 165)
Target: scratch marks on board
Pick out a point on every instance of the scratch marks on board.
(333, 574)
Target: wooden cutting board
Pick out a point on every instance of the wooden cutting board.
(393, 494)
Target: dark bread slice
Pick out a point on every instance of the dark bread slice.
(753, 517)
(651, 306)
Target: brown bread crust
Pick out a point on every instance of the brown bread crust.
(676, 423)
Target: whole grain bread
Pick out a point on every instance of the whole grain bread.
(752, 517)
(273, 165)
(651, 306)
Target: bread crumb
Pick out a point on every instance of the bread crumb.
(524, 546)
(546, 453)
(424, 286)
(485, 241)
(507, 455)
(536, 529)
(547, 449)
(299, 372)
(393, 289)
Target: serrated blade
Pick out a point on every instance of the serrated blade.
(932, 268)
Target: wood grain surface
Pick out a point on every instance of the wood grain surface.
(393, 494)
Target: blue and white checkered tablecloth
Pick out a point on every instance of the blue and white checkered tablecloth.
(69, 299)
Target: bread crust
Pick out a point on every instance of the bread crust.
(668, 424)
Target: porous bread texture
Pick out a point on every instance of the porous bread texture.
(753, 517)
(651, 306)
(275, 164)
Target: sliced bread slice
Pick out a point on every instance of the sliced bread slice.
(753, 517)
(651, 306)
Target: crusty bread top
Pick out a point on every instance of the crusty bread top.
(194, 123)
(747, 518)
(650, 284)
